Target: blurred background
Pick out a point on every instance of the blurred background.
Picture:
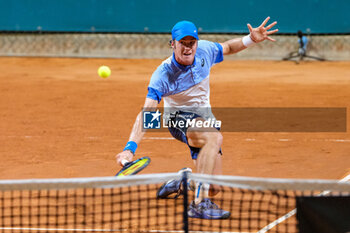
(141, 29)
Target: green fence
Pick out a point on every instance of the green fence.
(158, 16)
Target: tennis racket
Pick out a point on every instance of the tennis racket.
(134, 167)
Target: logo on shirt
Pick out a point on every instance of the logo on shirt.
(151, 119)
(202, 62)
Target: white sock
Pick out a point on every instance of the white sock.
(201, 192)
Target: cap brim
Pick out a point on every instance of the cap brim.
(184, 35)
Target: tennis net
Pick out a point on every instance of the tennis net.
(129, 204)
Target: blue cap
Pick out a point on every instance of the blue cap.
(183, 29)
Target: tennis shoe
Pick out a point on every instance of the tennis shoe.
(172, 188)
(207, 209)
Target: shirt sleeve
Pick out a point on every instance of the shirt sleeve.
(154, 94)
(156, 87)
(213, 49)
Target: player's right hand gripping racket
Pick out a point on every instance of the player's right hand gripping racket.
(134, 167)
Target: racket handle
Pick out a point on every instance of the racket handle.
(124, 161)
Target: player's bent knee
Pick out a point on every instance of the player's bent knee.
(217, 138)
(199, 139)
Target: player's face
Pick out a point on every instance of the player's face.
(185, 49)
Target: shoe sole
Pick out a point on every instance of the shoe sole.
(224, 216)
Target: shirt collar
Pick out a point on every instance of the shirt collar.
(182, 67)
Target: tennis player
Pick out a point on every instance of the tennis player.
(302, 43)
(182, 81)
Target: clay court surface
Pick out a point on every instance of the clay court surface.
(59, 119)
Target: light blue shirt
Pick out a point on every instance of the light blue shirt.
(171, 78)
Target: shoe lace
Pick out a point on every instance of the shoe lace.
(209, 204)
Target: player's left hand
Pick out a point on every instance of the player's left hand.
(261, 33)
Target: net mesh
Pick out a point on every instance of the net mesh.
(262, 205)
(92, 206)
(122, 209)
(129, 204)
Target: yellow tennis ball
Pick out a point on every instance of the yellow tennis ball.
(104, 71)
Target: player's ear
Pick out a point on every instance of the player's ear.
(171, 43)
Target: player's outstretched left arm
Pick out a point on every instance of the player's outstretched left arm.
(256, 35)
